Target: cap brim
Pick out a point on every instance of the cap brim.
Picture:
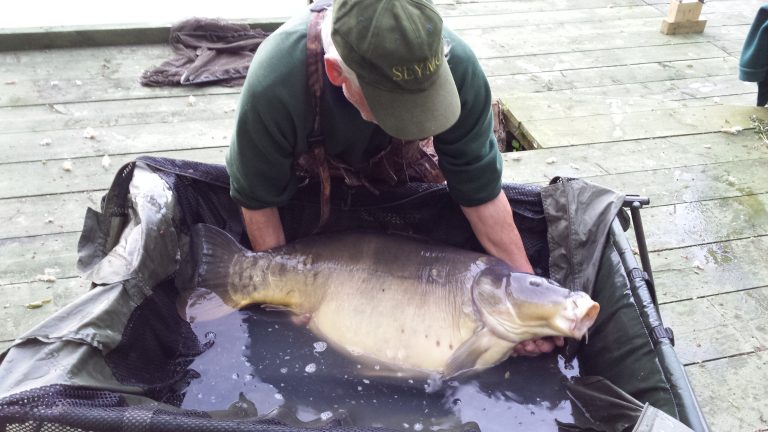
(415, 115)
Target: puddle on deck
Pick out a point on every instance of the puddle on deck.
(288, 371)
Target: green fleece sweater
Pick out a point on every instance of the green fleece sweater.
(271, 128)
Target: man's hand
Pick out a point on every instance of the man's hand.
(534, 347)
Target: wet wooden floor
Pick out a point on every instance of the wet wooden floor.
(591, 84)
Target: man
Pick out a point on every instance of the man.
(389, 69)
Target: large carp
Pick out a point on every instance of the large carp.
(417, 307)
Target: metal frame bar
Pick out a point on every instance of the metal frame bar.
(634, 203)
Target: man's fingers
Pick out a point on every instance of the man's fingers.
(525, 348)
(538, 346)
(545, 345)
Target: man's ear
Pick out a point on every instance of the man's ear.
(334, 71)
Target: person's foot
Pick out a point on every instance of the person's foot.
(534, 347)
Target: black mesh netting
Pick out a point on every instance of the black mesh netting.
(157, 346)
(423, 209)
(60, 408)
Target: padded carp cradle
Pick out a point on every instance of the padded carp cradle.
(117, 359)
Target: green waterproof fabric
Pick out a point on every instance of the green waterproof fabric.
(688, 408)
(579, 214)
(71, 347)
(606, 408)
(619, 347)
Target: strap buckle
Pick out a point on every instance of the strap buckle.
(660, 332)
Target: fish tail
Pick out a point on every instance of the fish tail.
(212, 252)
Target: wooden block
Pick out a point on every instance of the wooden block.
(680, 12)
(673, 28)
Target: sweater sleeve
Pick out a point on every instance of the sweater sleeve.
(467, 152)
(269, 129)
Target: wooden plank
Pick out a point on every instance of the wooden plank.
(723, 32)
(709, 77)
(651, 124)
(559, 38)
(548, 105)
(716, 5)
(678, 89)
(115, 113)
(601, 58)
(97, 63)
(732, 393)
(732, 47)
(86, 174)
(746, 99)
(719, 326)
(115, 140)
(101, 73)
(93, 63)
(714, 268)
(18, 318)
(697, 223)
(521, 19)
(723, 7)
(57, 26)
(62, 37)
(452, 9)
(35, 77)
(30, 216)
(36, 92)
(533, 112)
(632, 156)
(657, 2)
(670, 186)
(531, 167)
(52, 16)
(24, 259)
(693, 183)
(46, 214)
(727, 18)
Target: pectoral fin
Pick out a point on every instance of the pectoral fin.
(482, 350)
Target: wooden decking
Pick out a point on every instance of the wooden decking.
(591, 84)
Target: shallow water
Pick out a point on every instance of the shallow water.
(287, 371)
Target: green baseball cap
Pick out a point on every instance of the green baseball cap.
(395, 47)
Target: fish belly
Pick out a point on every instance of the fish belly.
(394, 322)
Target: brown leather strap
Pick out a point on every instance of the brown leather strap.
(315, 54)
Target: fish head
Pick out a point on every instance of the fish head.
(522, 306)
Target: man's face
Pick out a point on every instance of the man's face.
(349, 86)
(354, 95)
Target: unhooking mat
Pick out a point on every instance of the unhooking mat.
(118, 358)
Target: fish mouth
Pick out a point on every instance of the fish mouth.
(585, 311)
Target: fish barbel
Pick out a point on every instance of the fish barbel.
(413, 306)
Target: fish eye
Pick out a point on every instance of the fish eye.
(534, 282)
